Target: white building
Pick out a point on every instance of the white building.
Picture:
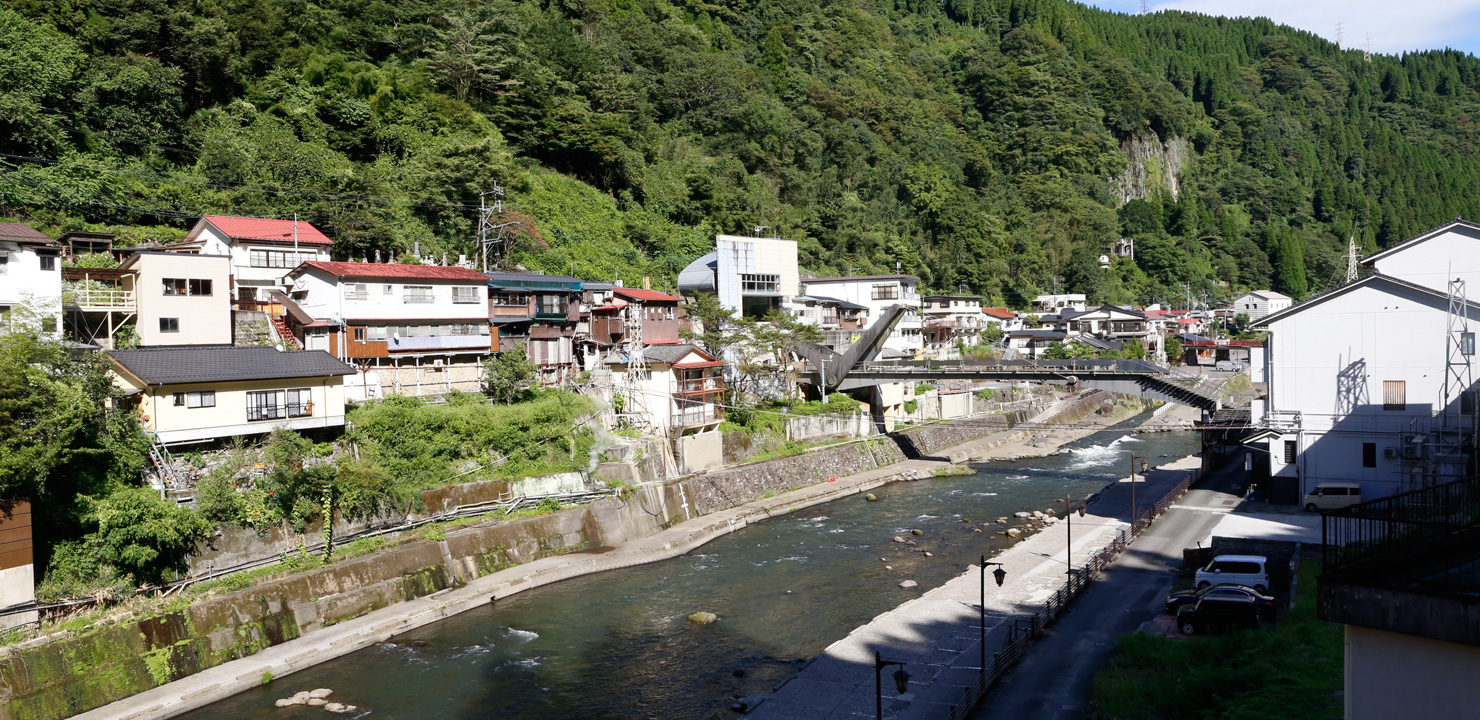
(262, 250)
(1435, 257)
(951, 321)
(1260, 303)
(1059, 303)
(410, 329)
(878, 293)
(750, 276)
(169, 298)
(1356, 380)
(30, 277)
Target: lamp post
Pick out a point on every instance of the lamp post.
(1135, 517)
(901, 681)
(1000, 575)
(1069, 509)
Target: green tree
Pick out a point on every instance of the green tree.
(508, 374)
(1174, 351)
(144, 535)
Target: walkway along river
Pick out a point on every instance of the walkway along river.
(617, 645)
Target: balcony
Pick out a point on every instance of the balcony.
(354, 295)
(691, 413)
(93, 296)
(417, 299)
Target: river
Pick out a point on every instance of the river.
(617, 644)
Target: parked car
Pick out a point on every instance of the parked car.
(1212, 614)
(1249, 570)
(1228, 366)
(1330, 496)
(1179, 599)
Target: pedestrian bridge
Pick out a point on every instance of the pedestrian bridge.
(858, 368)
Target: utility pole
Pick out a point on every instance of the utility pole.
(1367, 50)
(484, 214)
(1340, 33)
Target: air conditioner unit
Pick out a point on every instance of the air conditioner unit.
(437, 362)
(1389, 452)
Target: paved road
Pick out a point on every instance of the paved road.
(1053, 682)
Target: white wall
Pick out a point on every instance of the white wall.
(203, 320)
(24, 283)
(1373, 334)
(327, 298)
(216, 243)
(757, 256)
(906, 336)
(1434, 262)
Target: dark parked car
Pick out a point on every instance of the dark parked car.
(1212, 614)
(1182, 598)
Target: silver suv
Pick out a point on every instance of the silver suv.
(1249, 570)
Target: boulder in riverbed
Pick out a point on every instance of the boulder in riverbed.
(1021, 514)
(898, 539)
(917, 531)
(871, 497)
(317, 702)
(1014, 532)
(908, 584)
(703, 618)
(320, 693)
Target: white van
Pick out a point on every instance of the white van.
(1246, 570)
(1330, 496)
(1228, 366)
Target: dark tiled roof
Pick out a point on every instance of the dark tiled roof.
(22, 233)
(668, 353)
(173, 366)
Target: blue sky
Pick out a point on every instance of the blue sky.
(1393, 26)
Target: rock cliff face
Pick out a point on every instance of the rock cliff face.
(1152, 165)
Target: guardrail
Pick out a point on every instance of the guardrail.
(460, 511)
(1018, 645)
(1368, 530)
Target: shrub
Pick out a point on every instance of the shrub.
(910, 406)
(923, 388)
(144, 535)
(986, 393)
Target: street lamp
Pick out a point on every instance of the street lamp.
(1135, 518)
(901, 682)
(1000, 575)
(1069, 510)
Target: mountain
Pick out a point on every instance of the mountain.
(992, 145)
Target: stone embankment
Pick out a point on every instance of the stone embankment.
(216, 647)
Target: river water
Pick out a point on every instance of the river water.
(617, 645)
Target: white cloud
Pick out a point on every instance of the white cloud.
(1394, 27)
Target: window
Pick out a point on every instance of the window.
(4, 262)
(200, 287)
(169, 325)
(506, 300)
(387, 289)
(376, 333)
(196, 399)
(1369, 454)
(1394, 395)
(265, 405)
(356, 291)
(886, 292)
(175, 286)
(360, 334)
(48, 262)
(278, 258)
(418, 294)
(1289, 452)
(750, 283)
(551, 304)
(300, 403)
(465, 295)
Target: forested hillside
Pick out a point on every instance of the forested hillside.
(974, 142)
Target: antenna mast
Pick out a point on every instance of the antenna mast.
(1351, 259)
(1367, 49)
(1340, 33)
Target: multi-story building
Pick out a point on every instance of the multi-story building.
(262, 250)
(1260, 303)
(30, 278)
(540, 311)
(168, 298)
(677, 394)
(878, 293)
(1004, 318)
(750, 276)
(636, 318)
(199, 394)
(951, 321)
(409, 329)
(1055, 304)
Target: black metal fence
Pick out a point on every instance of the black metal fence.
(1375, 528)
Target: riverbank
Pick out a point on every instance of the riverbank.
(338, 639)
(940, 635)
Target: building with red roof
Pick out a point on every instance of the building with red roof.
(262, 250)
(409, 329)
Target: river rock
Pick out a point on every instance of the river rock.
(908, 584)
(927, 554)
(871, 497)
(1037, 513)
(888, 567)
(883, 560)
(976, 530)
(1050, 520)
(910, 543)
(898, 539)
(334, 707)
(1014, 532)
(320, 693)
(1021, 514)
(703, 618)
(317, 702)
(1002, 521)
(1050, 512)
(917, 531)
